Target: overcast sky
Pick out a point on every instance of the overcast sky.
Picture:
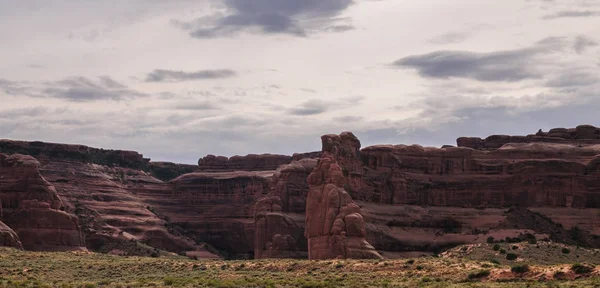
(179, 79)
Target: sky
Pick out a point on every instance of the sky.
(177, 80)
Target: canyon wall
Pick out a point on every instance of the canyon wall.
(410, 198)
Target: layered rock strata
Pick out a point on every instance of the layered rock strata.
(33, 209)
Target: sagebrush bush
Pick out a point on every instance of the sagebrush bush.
(511, 256)
(520, 268)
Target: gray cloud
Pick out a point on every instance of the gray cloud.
(311, 107)
(81, 89)
(347, 119)
(449, 38)
(572, 14)
(509, 66)
(574, 77)
(161, 75)
(291, 17)
(23, 112)
(582, 43)
(195, 105)
(76, 89)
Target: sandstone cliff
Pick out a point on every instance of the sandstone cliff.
(33, 209)
(334, 226)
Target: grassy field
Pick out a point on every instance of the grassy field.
(473, 266)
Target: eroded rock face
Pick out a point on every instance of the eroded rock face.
(8, 237)
(33, 209)
(334, 226)
(276, 232)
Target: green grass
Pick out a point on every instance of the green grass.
(83, 269)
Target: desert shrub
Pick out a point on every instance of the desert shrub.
(566, 250)
(559, 275)
(519, 269)
(479, 274)
(579, 268)
(490, 239)
(495, 261)
(411, 261)
(496, 247)
(511, 256)
(419, 267)
(502, 251)
(514, 247)
(169, 281)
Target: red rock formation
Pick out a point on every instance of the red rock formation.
(412, 198)
(251, 162)
(32, 207)
(279, 218)
(334, 226)
(418, 198)
(276, 232)
(215, 208)
(8, 237)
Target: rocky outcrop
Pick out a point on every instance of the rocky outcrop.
(8, 237)
(251, 162)
(334, 226)
(33, 209)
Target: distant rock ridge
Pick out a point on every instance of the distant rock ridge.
(582, 134)
(81, 153)
(250, 162)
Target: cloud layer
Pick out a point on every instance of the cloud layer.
(292, 17)
(161, 75)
